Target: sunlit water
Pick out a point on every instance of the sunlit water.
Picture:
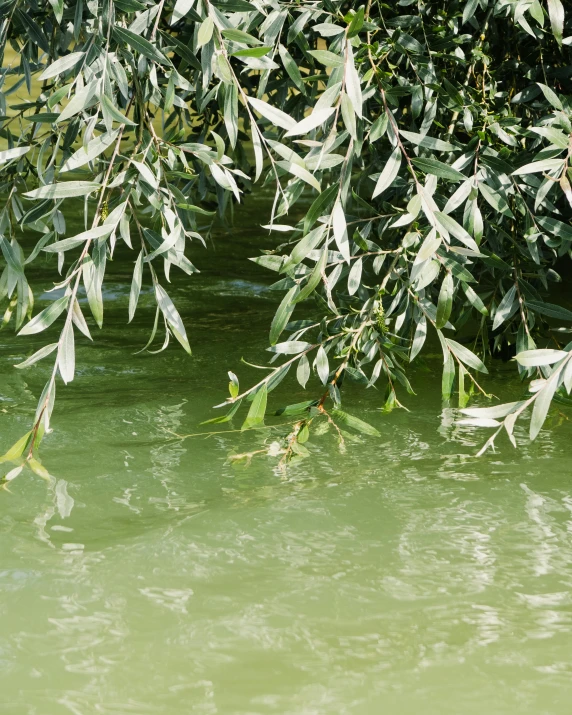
(404, 576)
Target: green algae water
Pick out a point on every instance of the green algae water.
(400, 576)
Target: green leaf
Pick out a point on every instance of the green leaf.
(16, 450)
(301, 173)
(506, 307)
(140, 44)
(63, 190)
(536, 166)
(136, 286)
(357, 23)
(354, 277)
(303, 435)
(537, 358)
(14, 153)
(38, 355)
(329, 59)
(549, 309)
(495, 198)
(62, 65)
(283, 314)
(475, 300)
(555, 136)
(320, 205)
(410, 43)
(469, 9)
(114, 113)
(205, 32)
(291, 68)
(86, 154)
(66, 353)
(276, 116)
(554, 227)
(78, 102)
(496, 411)
(257, 409)
(445, 302)
(225, 418)
(290, 347)
(79, 320)
(233, 5)
(448, 377)
(182, 8)
(427, 141)
(69, 243)
(38, 468)
(355, 423)
(315, 277)
(240, 36)
(181, 49)
(13, 473)
(340, 229)
(33, 30)
(233, 385)
(389, 173)
(172, 317)
(43, 118)
(353, 82)
(439, 169)
(551, 96)
(92, 281)
(448, 223)
(418, 338)
(314, 120)
(303, 371)
(556, 14)
(466, 356)
(46, 317)
(542, 405)
(146, 174)
(196, 209)
(322, 365)
(252, 52)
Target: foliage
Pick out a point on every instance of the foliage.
(435, 138)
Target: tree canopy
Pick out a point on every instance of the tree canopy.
(433, 137)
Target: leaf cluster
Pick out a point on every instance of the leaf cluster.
(434, 140)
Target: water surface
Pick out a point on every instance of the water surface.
(402, 576)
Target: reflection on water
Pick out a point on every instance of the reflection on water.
(404, 576)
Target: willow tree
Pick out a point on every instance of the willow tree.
(433, 137)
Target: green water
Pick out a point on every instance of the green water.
(403, 576)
